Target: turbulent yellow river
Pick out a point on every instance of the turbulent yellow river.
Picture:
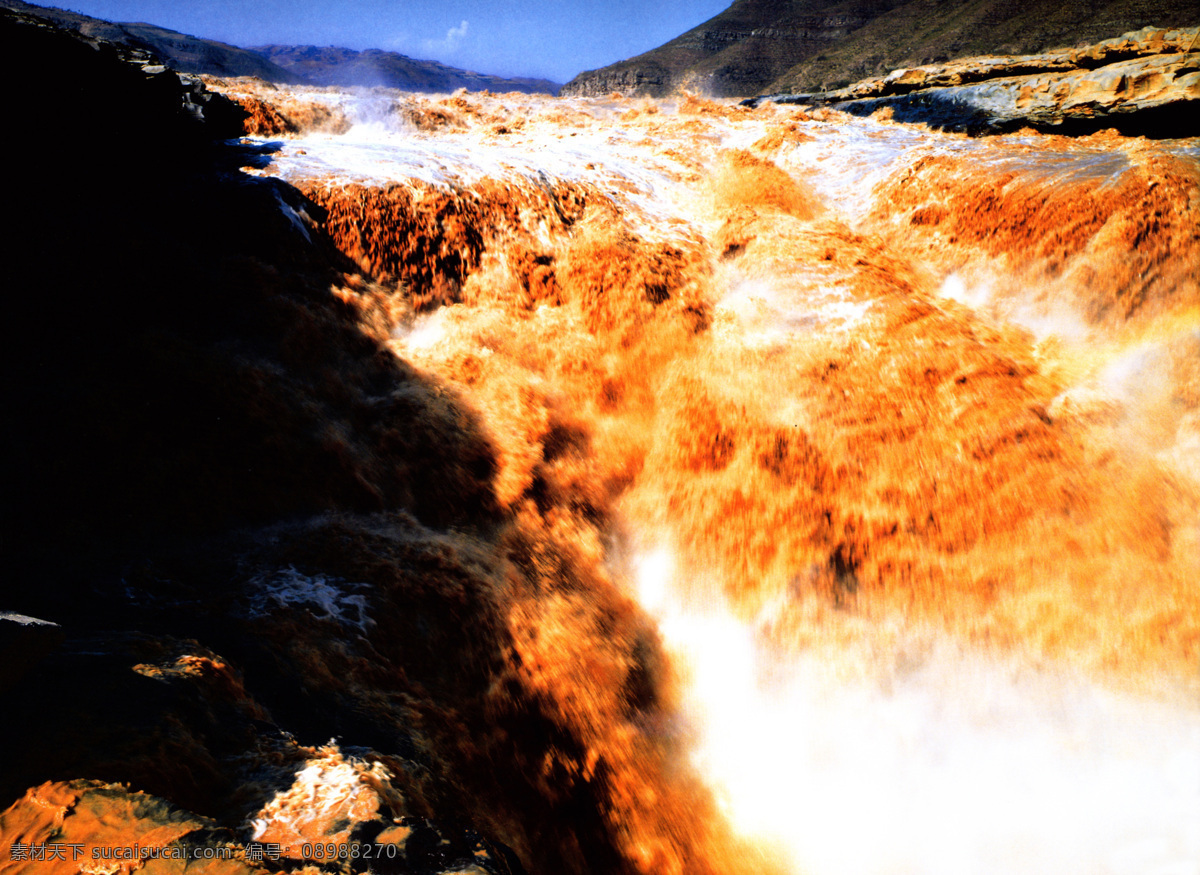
(892, 436)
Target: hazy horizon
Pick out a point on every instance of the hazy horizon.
(510, 38)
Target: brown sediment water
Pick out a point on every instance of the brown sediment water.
(892, 437)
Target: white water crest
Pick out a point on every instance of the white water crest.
(933, 760)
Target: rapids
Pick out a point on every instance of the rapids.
(894, 434)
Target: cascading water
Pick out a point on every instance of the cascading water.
(908, 446)
(898, 751)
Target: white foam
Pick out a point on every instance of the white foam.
(944, 762)
(332, 597)
(326, 798)
(426, 332)
(766, 313)
(1043, 318)
(382, 148)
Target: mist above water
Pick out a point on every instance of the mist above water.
(901, 752)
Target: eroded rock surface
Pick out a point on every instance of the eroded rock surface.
(67, 827)
(1145, 81)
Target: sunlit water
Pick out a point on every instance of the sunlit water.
(905, 752)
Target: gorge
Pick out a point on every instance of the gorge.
(505, 484)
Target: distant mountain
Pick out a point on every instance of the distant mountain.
(188, 54)
(762, 46)
(338, 66)
(290, 64)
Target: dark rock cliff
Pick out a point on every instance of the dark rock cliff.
(736, 53)
(255, 529)
(176, 366)
(180, 51)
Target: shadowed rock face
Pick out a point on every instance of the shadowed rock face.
(167, 310)
(758, 47)
(180, 379)
(1142, 82)
(258, 529)
(189, 54)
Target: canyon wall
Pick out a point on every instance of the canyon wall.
(755, 47)
(1144, 82)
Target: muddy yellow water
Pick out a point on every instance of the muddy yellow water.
(893, 436)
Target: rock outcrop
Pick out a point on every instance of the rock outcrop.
(1146, 81)
(180, 366)
(807, 45)
(126, 90)
(65, 827)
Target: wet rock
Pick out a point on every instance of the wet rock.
(162, 713)
(65, 827)
(344, 809)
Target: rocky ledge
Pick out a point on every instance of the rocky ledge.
(1144, 82)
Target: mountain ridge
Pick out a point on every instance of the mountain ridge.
(757, 46)
(198, 55)
(184, 52)
(337, 65)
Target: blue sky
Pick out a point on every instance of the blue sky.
(505, 37)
